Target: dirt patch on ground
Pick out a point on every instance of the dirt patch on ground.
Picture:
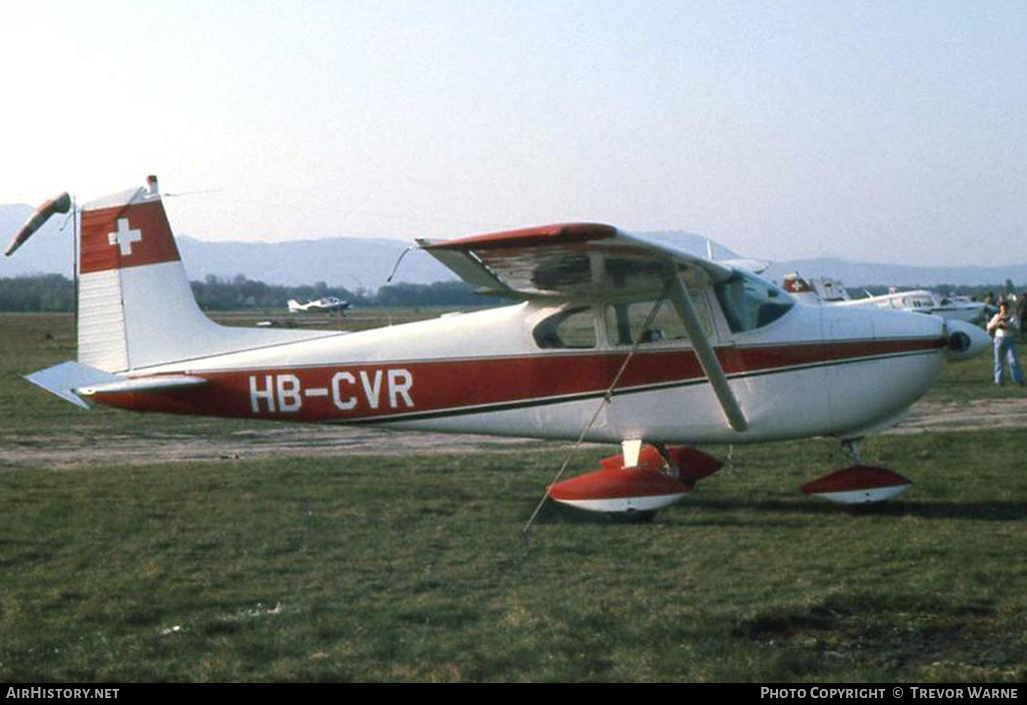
(60, 449)
(965, 415)
(71, 450)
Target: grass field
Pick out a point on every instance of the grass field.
(414, 567)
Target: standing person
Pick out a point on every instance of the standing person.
(1021, 311)
(1001, 326)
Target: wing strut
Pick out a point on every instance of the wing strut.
(678, 295)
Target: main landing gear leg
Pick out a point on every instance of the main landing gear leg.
(670, 468)
(851, 447)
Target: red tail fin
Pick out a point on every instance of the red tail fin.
(131, 232)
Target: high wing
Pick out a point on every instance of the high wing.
(592, 262)
(570, 261)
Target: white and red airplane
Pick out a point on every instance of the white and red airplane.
(612, 339)
(327, 304)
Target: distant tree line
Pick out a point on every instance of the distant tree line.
(43, 292)
(217, 294)
(53, 292)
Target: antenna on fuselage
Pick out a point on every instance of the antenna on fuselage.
(395, 267)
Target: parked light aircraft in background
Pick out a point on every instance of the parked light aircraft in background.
(328, 304)
(610, 338)
(823, 290)
(923, 301)
(816, 290)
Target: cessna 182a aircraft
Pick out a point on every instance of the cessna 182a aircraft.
(611, 339)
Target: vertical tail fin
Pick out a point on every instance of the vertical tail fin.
(130, 275)
(136, 308)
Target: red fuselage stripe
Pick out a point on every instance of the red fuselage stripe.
(354, 392)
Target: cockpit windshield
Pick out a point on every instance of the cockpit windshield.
(749, 302)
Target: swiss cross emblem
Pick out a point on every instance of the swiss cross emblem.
(124, 237)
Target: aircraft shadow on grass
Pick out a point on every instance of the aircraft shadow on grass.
(554, 513)
(976, 511)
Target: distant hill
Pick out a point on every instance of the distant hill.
(349, 262)
(366, 263)
(352, 262)
(344, 261)
(341, 261)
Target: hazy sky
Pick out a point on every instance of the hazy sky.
(886, 131)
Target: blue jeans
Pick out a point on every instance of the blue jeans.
(1005, 349)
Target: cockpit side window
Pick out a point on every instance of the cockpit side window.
(625, 322)
(570, 328)
(749, 303)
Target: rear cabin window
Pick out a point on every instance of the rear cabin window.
(625, 322)
(749, 303)
(572, 328)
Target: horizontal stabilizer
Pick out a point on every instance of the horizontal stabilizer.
(73, 380)
(65, 379)
(144, 384)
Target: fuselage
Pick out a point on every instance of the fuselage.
(602, 345)
(813, 371)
